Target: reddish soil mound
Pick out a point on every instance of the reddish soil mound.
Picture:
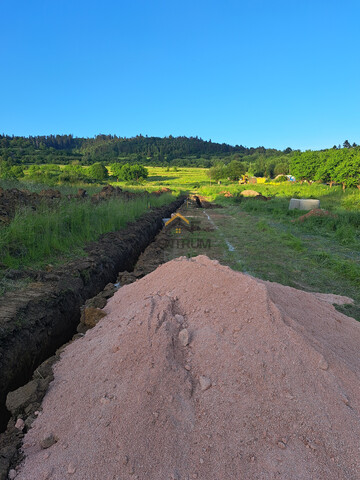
(226, 194)
(201, 372)
(161, 191)
(316, 212)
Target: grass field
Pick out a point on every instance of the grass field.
(65, 189)
(321, 254)
(184, 179)
(35, 238)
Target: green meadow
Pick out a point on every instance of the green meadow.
(177, 178)
(319, 254)
(270, 242)
(56, 233)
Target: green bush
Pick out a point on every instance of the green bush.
(129, 173)
(98, 172)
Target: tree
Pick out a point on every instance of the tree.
(73, 174)
(98, 172)
(329, 162)
(235, 170)
(269, 170)
(259, 167)
(138, 172)
(305, 165)
(125, 174)
(8, 172)
(129, 173)
(217, 172)
(346, 144)
(348, 172)
(116, 169)
(281, 169)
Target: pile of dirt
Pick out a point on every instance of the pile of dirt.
(13, 198)
(315, 212)
(161, 191)
(250, 193)
(113, 192)
(24, 404)
(226, 193)
(198, 371)
(81, 193)
(199, 201)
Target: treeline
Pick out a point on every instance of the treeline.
(54, 174)
(329, 166)
(257, 165)
(337, 165)
(173, 151)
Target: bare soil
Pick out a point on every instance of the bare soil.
(198, 371)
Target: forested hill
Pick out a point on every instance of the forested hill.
(109, 148)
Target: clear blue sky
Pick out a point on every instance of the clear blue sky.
(276, 73)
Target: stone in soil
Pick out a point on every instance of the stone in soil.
(184, 337)
(48, 441)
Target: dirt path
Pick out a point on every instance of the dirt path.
(201, 236)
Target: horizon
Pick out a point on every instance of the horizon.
(251, 73)
(177, 136)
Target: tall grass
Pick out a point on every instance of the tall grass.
(38, 237)
(284, 190)
(65, 189)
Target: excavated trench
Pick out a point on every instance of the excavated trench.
(36, 321)
(156, 248)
